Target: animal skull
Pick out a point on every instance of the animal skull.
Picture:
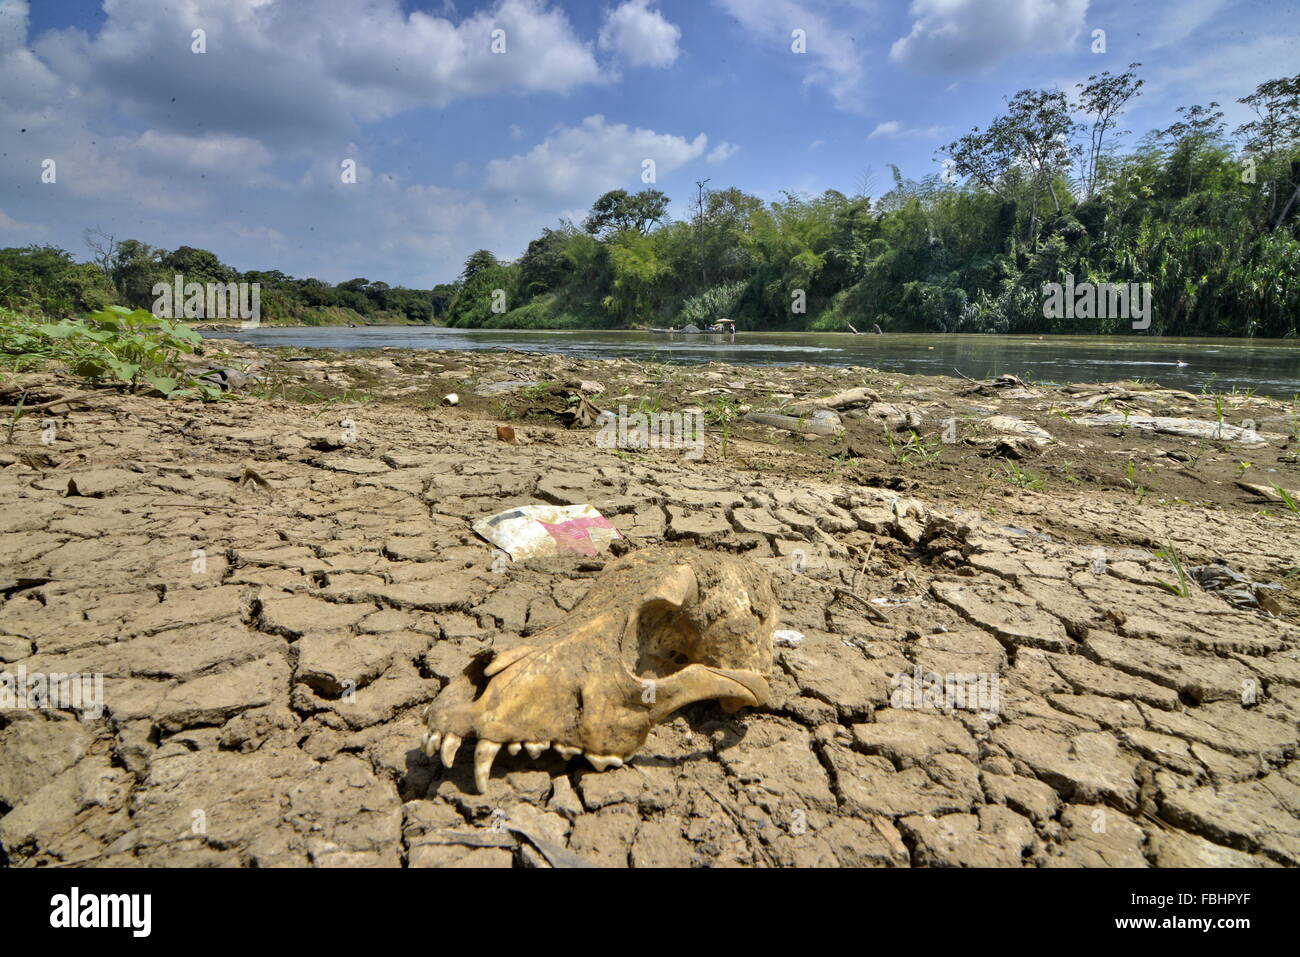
(659, 629)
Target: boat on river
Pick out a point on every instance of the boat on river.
(723, 327)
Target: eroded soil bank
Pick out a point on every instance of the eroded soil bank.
(234, 570)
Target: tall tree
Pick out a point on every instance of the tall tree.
(619, 210)
(1102, 99)
(1275, 129)
(478, 261)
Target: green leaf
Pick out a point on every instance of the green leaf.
(164, 384)
(123, 370)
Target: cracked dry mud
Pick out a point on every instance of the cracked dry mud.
(262, 700)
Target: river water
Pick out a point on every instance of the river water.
(1269, 366)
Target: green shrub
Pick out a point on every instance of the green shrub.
(114, 344)
(716, 302)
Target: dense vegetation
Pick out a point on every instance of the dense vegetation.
(1209, 218)
(43, 280)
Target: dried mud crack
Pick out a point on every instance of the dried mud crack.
(268, 643)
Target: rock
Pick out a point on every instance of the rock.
(1258, 816)
(869, 784)
(214, 699)
(13, 648)
(699, 524)
(824, 667)
(992, 837)
(1028, 796)
(1200, 677)
(1018, 428)
(1084, 768)
(1096, 836)
(333, 663)
(101, 482)
(909, 738)
(36, 751)
(1188, 428)
(1005, 612)
(1179, 849)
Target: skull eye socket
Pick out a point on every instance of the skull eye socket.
(662, 641)
(475, 673)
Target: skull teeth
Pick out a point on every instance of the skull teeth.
(485, 753)
(450, 744)
(602, 761)
(567, 752)
(430, 743)
(514, 747)
(535, 748)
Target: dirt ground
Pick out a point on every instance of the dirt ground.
(276, 585)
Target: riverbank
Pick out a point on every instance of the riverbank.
(275, 586)
(1196, 365)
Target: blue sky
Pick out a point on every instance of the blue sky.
(239, 149)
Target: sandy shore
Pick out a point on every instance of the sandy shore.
(234, 570)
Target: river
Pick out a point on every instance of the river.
(1268, 366)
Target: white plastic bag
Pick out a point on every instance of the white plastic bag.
(533, 530)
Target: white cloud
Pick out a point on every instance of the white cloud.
(239, 148)
(639, 36)
(9, 224)
(898, 128)
(722, 152)
(1224, 72)
(578, 163)
(281, 69)
(971, 36)
(833, 58)
(237, 157)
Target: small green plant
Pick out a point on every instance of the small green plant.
(1287, 498)
(914, 451)
(1139, 490)
(1184, 586)
(649, 404)
(1022, 478)
(722, 411)
(538, 390)
(348, 397)
(13, 419)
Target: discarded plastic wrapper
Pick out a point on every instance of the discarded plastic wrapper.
(787, 638)
(533, 530)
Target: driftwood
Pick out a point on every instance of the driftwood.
(848, 399)
(800, 426)
(75, 397)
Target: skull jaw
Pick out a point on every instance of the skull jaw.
(579, 693)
